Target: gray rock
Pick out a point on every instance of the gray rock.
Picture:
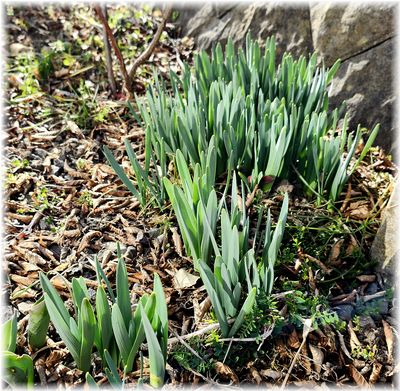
(361, 35)
(371, 288)
(386, 245)
(343, 30)
(365, 83)
(213, 24)
(367, 322)
(345, 311)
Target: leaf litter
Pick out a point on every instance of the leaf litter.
(64, 206)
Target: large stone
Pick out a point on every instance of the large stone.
(365, 83)
(386, 246)
(290, 25)
(343, 30)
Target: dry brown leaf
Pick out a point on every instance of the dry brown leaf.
(55, 357)
(318, 357)
(359, 210)
(293, 340)
(20, 280)
(29, 267)
(387, 329)
(357, 377)
(85, 242)
(226, 372)
(376, 371)
(366, 278)
(183, 279)
(354, 341)
(255, 375)
(320, 264)
(30, 256)
(305, 359)
(335, 252)
(24, 218)
(59, 283)
(176, 238)
(352, 246)
(275, 375)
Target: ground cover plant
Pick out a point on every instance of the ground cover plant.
(264, 281)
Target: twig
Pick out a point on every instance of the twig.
(265, 335)
(306, 331)
(127, 80)
(343, 346)
(107, 49)
(373, 296)
(205, 330)
(187, 346)
(147, 53)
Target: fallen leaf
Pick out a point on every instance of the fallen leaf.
(183, 279)
(352, 246)
(335, 251)
(318, 357)
(176, 238)
(354, 342)
(357, 377)
(226, 372)
(358, 210)
(255, 375)
(376, 371)
(366, 278)
(275, 375)
(24, 308)
(293, 340)
(389, 339)
(305, 359)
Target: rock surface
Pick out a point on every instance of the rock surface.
(361, 35)
(354, 27)
(386, 246)
(217, 23)
(365, 83)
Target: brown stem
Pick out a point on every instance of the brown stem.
(107, 48)
(147, 53)
(103, 20)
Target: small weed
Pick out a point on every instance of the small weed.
(20, 163)
(81, 164)
(86, 198)
(302, 306)
(366, 353)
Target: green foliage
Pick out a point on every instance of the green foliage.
(77, 334)
(9, 334)
(18, 369)
(114, 329)
(195, 204)
(302, 306)
(148, 180)
(38, 324)
(265, 120)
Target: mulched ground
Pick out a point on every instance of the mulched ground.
(65, 206)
